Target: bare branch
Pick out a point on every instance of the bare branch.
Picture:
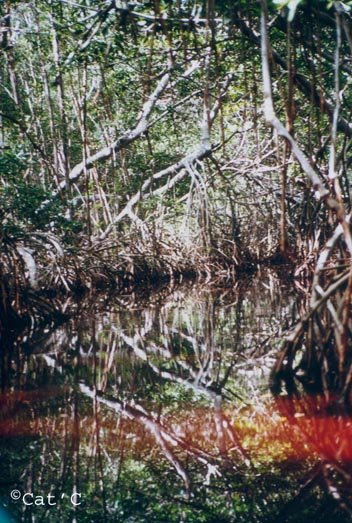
(270, 115)
(127, 138)
(178, 170)
(302, 83)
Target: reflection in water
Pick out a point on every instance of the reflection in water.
(161, 412)
(323, 426)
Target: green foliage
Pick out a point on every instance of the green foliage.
(23, 202)
(84, 72)
(12, 165)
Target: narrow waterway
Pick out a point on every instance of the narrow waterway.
(159, 410)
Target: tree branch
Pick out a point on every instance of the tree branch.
(178, 170)
(127, 138)
(302, 83)
(270, 115)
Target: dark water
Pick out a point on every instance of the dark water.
(159, 410)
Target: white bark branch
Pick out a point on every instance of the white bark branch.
(127, 138)
(272, 119)
(178, 170)
(162, 436)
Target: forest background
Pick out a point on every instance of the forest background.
(157, 145)
(135, 146)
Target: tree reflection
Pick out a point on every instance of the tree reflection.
(154, 413)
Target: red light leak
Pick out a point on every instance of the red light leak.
(17, 410)
(298, 427)
(323, 424)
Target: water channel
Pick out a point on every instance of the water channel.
(158, 409)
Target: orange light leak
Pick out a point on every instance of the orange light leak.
(18, 410)
(282, 429)
(323, 424)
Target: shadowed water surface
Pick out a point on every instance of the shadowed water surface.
(159, 410)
